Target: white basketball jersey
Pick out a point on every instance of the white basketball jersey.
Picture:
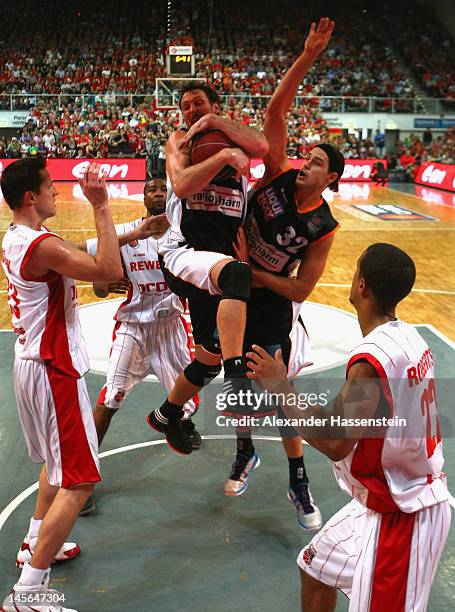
(402, 470)
(149, 298)
(45, 310)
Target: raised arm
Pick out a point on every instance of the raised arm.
(275, 126)
(54, 254)
(187, 179)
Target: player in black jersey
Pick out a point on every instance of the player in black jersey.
(205, 213)
(290, 229)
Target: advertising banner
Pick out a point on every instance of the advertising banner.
(440, 176)
(358, 170)
(73, 169)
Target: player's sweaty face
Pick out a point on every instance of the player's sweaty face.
(155, 196)
(195, 105)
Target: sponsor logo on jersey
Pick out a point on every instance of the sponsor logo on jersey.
(308, 554)
(149, 288)
(227, 201)
(270, 203)
(134, 244)
(139, 266)
(315, 224)
(118, 397)
(393, 212)
(265, 254)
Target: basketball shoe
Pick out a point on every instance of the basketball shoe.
(194, 436)
(68, 551)
(308, 514)
(237, 481)
(173, 429)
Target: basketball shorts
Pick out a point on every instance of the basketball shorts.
(161, 347)
(380, 561)
(187, 272)
(57, 421)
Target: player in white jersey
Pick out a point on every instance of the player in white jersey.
(382, 549)
(50, 361)
(150, 334)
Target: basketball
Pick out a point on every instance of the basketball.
(209, 143)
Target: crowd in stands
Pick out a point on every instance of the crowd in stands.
(427, 47)
(243, 48)
(103, 65)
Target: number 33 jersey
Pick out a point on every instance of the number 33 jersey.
(400, 468)
(277, 233)
(44, 310)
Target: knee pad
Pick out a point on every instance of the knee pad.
(200, 374)
(235, 281)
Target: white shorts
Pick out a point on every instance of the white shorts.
(161, 347)
(300, 349)
(193, 267)
(57, 421)
(380, 561)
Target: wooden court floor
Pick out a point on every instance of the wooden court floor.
(430, 242)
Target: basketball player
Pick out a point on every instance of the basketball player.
(290, 229)
(382, 549)
(150, 333)
(50, 361)
(198, 262)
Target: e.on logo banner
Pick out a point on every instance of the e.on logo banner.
(73, 169)
(433, 174)
(354, 169)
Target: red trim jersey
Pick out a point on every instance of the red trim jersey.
(44, 310)
(403, 469)
(149, 297)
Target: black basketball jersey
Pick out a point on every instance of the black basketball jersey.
(209, 219)
(278, 235)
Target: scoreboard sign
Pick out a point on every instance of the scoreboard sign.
(180, 61)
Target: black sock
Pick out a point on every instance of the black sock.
(244, 443)
(297, 473)
(235, 367)
(171, 411)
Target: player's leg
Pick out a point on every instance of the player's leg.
(57, 420)
(234, 281)
(170, 354)
(315, 595)
(328, 562)
(199, 372)
(129, 363)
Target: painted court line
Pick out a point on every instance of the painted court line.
(16, 502)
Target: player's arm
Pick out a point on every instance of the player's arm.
(250, 140)
(275, 126)
(299, 287)
(187, 179)
(54, 254)
(358, 399)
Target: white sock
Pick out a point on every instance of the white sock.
(31, 576)
(35, 525)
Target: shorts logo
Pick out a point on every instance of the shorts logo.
(119, 395)
(308, 554)
(134, 244)
(270, 204)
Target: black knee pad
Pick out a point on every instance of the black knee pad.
(235, 281)
(200, 374)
